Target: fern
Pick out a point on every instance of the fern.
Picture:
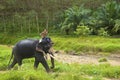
(117, 25)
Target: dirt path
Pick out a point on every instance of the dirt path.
(87, 59)
(114, 60)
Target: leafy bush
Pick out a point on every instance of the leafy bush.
(106, 16)
(82, 30)
(102, 32)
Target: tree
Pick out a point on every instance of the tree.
(73, 17)
(106, 16)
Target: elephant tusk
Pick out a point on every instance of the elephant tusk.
(52, 56)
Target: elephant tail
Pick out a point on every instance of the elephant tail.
(10, 58)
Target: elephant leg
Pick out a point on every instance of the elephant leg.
(19, 62)
(44, 63)
(36, 63)
(13, 64)
(52, 60)
(39, 57)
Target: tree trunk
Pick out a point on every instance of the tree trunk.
(29, 26)
(67, 31)
(47, 21)
(37, 24)
(13, 25)
(5, 30)
(21, 27)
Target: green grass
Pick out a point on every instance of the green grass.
(102, 60)
(86, 45)
(92, 44)
(62, 71)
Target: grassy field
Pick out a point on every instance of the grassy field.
(79, 45)
(62, 71)
(90, 45)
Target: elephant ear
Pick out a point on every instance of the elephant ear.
(48, 40)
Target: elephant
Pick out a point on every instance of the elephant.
(27, 49)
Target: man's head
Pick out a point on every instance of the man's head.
(44, 33)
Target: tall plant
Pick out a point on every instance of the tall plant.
(73, 17)
(106, 16)
(117, 26)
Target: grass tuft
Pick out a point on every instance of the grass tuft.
(102, 60)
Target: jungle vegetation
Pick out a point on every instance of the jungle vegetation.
(78, 17)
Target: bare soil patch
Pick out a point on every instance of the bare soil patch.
(87, 59)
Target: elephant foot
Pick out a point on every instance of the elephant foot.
(52, 67)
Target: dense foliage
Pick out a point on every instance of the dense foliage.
(28, 16)
(105, 17)
(73, 17)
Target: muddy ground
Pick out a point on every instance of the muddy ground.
(87, 59)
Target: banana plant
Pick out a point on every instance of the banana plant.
(107, 15)
(73, 17)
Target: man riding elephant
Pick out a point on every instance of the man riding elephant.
(32, 48)
(44, 47)
(43, 41)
